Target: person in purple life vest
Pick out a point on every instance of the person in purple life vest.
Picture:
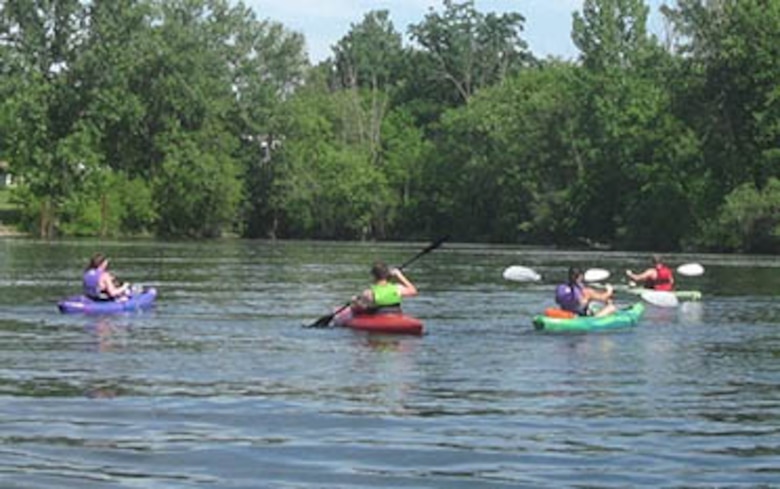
(99, 283)
(574, 296)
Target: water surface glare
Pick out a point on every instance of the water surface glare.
(220, 386)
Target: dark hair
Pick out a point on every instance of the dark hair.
(574, 272)
(96, 260)
(380, 271)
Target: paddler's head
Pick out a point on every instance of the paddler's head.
(576, 275)
(98, 260)
(657, 259)
(380, 271)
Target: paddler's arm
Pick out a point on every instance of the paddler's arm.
(114, 291)
(110, 288)
(649, 274)
(591, 294)
(407, 287)
(364, 300)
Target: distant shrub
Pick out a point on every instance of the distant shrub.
(748, 221)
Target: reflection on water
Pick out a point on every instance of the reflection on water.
(691, 313)
(220, 385)
(109, 333)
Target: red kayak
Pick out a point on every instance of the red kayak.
(387, 322)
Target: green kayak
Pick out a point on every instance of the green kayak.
(682, 295)
(623, 318)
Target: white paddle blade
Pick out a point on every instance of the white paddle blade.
(691, 270)
(660, 298)
(519, 273)
(596, 275)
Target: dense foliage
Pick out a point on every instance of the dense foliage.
(194, 118)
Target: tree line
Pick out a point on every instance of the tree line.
(194, 118)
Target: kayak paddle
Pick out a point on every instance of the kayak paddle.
(519, 273)
(596, 275)
(691, 270)
(660, 298)
(324, 321)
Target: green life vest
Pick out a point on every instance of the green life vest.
(386, 295)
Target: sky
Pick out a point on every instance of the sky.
(324, 22)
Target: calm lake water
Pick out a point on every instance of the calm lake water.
(220, 386)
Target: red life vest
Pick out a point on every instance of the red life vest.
(663, 279)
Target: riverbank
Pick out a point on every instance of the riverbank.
(10, 232)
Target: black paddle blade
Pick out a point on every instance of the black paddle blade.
(322, 322)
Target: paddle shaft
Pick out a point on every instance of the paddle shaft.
(325, 320)
(427, 250)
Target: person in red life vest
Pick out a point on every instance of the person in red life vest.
(384, 295)
(657, 277)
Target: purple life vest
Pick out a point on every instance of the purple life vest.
(569, 298)
(91, 283)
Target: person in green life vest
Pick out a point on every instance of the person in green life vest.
(384, 295)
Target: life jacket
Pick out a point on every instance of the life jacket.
(91, 282)
(569, 297)
(663, 279)
(386, 297)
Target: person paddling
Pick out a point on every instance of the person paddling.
(100, 284)
(574, 297)
(384, 295)
(657, 277)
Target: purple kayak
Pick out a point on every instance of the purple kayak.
(81, 304)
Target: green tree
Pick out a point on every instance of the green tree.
(366, 64)
(404, 152)
(732, 68)
(196, 189)
(139, 93)
(503, 165)
(327, 186)
(748, 220)
(46, 143)
(266, 63)
(468, 49)
(637, 153)
(612, 38)
(368, 56)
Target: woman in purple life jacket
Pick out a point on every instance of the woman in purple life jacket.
(573, 296)
(99, 283)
